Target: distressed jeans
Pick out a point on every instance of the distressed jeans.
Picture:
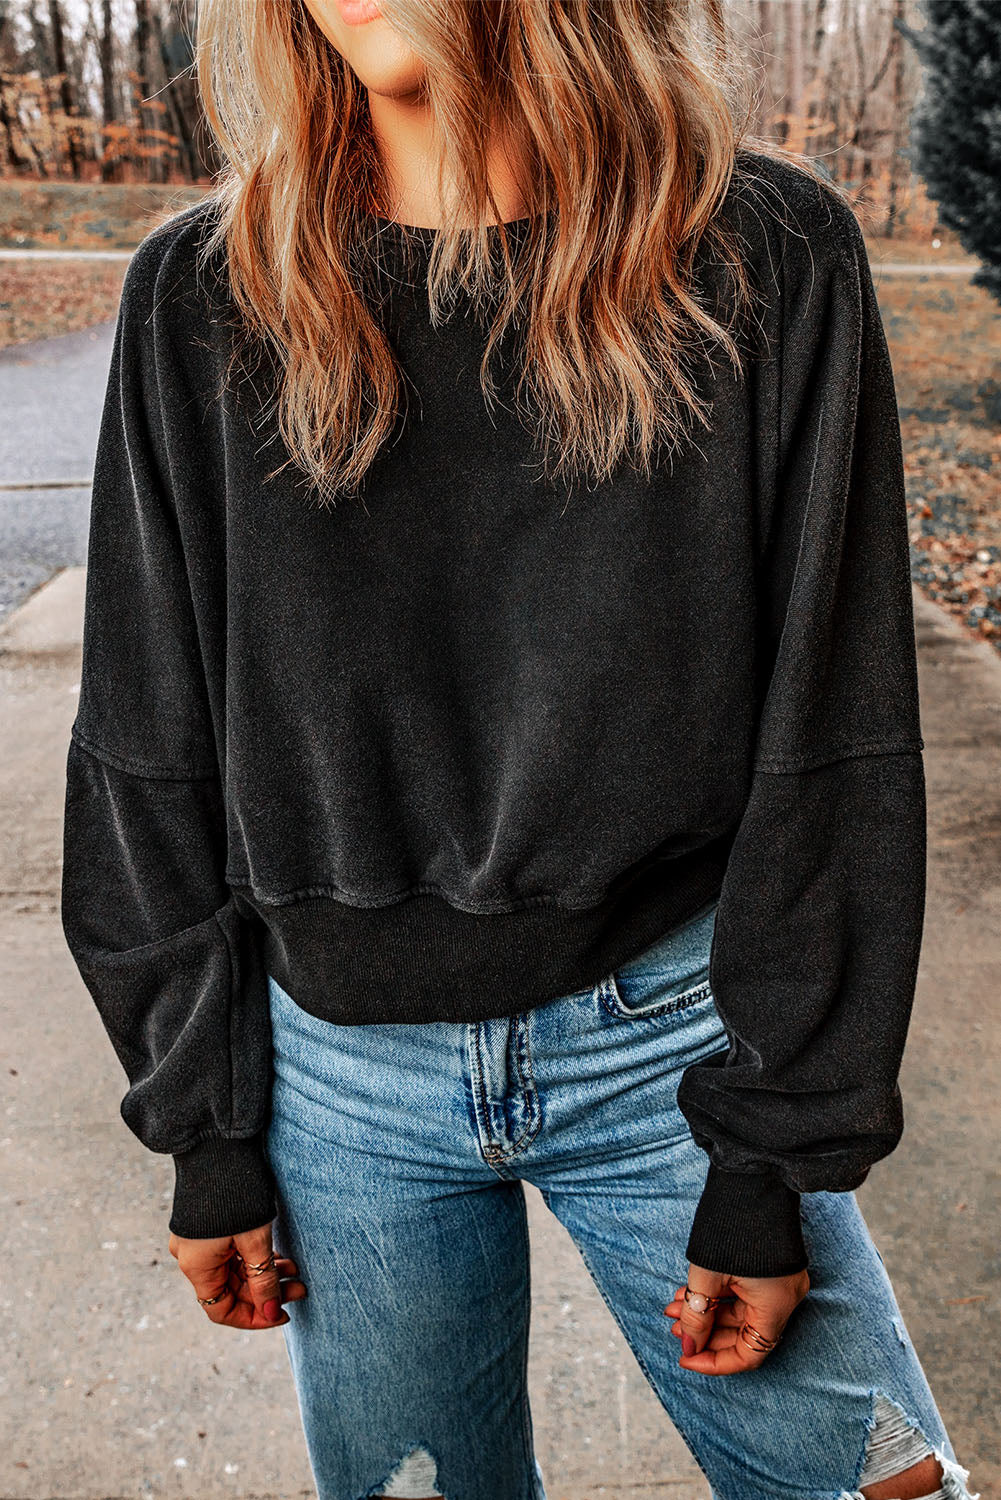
(400, 1152)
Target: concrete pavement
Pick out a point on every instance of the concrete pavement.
(114, 1383)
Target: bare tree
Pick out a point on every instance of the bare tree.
(175, 97)
(150, 137)
(70, 130)
(15, 161)
(111, 163)
(899, 117)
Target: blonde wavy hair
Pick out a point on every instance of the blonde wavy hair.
(628, 116)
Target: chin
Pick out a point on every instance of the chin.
(381, 59)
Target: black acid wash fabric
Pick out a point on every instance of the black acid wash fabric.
(473, 739)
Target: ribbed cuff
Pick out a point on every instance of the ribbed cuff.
(224, 1185)
(747, 1224)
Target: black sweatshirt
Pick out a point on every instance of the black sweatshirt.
(476, 739)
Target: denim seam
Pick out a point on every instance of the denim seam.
(484, 1114)
(526, 1083)
(526, 1436)
(648, 1374)
(611, 999)
(531, 1129)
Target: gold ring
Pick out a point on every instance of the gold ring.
(208, 1301)
(755, 1340)
(701, 1302)
(261, 1268)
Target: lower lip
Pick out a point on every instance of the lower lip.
(357, 12)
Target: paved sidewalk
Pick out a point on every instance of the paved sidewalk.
(116, 1385)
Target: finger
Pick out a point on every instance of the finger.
(196, 1257)
(727, 1316)
(290, 1289)
(209, 1271)
(697, 1326)
(731, 1309)
(288, 1272)
(729, 1360)
(262, 1288)
(728, 1354)
(240, 1314)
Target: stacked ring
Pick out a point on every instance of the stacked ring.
(755, 1340)
(260, 1269)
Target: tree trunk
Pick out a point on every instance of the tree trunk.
(14, 158)
(175, 105)
(897, 163)
(65, 91)
(150, 157)
(111, 165)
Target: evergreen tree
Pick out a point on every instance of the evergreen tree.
(955, 141)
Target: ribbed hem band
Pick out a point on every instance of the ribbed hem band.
(224, 1185)
(747, 1224)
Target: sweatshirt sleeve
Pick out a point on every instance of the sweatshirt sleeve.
(167, 957)
(819, 923)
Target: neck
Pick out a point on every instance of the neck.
(403, 131)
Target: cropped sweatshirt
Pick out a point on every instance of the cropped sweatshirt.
(470, 740)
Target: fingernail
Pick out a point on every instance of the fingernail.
(272, 1310)
(687, 1344)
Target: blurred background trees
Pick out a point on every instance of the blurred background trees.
(104, 91)
(100, 90)
(956, 125)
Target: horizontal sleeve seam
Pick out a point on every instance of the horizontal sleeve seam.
(149, 769)
(180, 938)
(848, 752)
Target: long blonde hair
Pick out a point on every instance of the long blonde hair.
(627, 114)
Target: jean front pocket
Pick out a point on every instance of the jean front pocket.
(669, 977)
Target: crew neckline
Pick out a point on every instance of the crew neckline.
(428, 231)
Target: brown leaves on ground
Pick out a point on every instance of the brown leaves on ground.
(42, 298)
(945, 342)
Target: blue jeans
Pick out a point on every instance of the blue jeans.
(399, 1153)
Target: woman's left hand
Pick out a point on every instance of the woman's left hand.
(711, 1341)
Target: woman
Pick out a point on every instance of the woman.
(466, 791)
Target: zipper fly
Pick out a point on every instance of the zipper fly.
(505, 1097)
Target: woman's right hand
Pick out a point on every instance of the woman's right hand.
(246, 1300)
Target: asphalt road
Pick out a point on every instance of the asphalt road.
(51, 395)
